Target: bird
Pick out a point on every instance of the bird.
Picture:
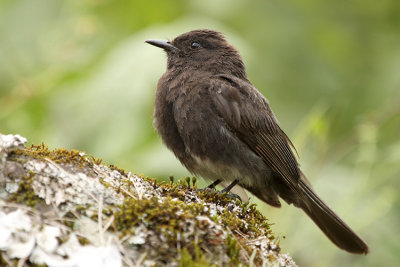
(222, 128)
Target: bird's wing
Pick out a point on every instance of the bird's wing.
(247, 114)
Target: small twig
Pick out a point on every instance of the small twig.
(142, 257)
(21, 262)
(108, 224)
(100, 218)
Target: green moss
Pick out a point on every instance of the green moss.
(16, 262)
(115, 168)
(83, 241)
(168, 220)
(30, 264)
(3, 262)
(162, 217)
(168, 217)
(250, 219)
(60, 155)
(82, 208)
(233, 249)
(69, 219)
(197, 260)
(194, 181)
(25, 192)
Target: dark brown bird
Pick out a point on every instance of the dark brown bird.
(222, 128)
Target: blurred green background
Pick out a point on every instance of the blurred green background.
(77, 74)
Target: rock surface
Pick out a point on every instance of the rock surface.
(65, 208)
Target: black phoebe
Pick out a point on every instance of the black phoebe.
(222, 128)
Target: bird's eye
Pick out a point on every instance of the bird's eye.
(194, 45)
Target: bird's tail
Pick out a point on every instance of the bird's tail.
(329, 222)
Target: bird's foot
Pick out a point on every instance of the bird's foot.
(231, 195)
(210, 190)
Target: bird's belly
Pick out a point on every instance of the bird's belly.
(213, 170)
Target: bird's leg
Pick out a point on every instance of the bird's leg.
(225, 190)
(214, 184)
(229, 187)
(211, 186)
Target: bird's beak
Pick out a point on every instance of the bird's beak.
(166, 45)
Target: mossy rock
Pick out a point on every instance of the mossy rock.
(61, 207)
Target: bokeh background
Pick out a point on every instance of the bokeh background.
(77, 74)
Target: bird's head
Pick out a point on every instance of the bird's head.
(202, 50)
